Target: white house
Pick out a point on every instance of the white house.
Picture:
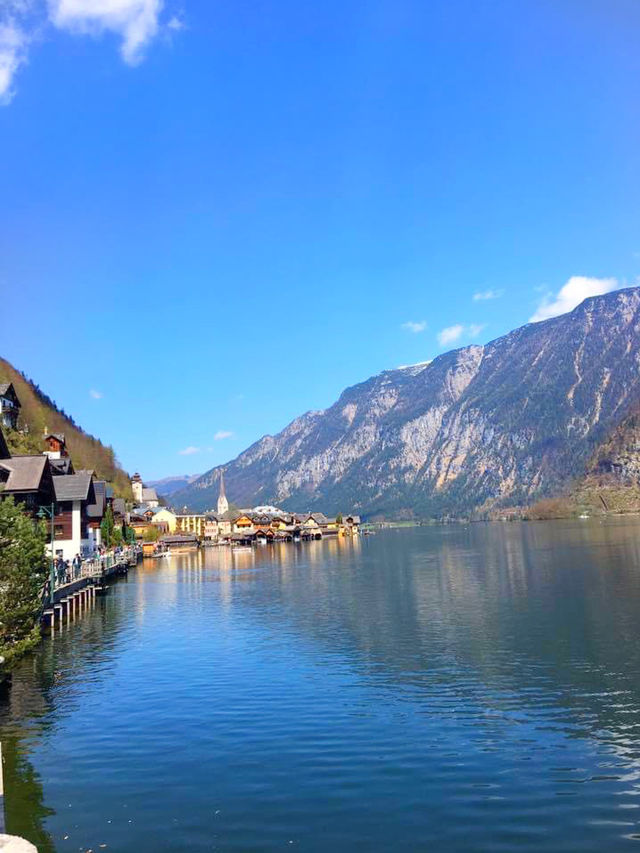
(73, 534)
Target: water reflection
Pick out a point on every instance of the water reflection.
(456, 687)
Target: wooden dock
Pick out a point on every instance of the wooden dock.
(73, 598)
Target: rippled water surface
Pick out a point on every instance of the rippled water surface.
(443, 689)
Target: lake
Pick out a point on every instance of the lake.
(446, 688)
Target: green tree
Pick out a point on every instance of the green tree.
(128, 534)
(23, 570)
(107, 527)
(339, 518)
(151, 534)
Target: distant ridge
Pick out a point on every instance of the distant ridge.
(169, 485)
(477, 428)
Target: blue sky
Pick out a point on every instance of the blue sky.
(216, 216)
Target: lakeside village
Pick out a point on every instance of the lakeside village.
(87, 519)
(240, 528)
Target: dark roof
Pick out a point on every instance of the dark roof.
(25, 473)
(97, 508)
(7, 390)
(73, 487)
(318, 517)
(58, 435)
(64, 465)
(119, 506)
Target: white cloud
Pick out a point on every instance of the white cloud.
(575, 291)
(176, 24)
(453, 333)
(13, 53)
(487, 294)
(135, 21)
(475, 329)
(450, 335)
(97, 395)
(189, 451)
(415, 327)
(222, 434)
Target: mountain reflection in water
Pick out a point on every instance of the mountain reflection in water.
(447, 688)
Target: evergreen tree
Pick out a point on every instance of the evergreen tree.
(23, 570)
(107, 527)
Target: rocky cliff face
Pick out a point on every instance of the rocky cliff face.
(475, 428)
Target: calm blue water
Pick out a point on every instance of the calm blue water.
(443, 689)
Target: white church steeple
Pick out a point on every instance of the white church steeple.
(223, 503)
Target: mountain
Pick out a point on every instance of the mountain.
(39, 411)
(477, 428)
(169, 485)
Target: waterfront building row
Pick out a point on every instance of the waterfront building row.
(243, 525)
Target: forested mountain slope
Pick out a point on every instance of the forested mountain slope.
(39, 411)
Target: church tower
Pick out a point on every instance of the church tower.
(223, 503)
(136, 487)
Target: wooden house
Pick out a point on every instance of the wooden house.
(28, 479)
(242, 523)
(9, 406)
(56, 445)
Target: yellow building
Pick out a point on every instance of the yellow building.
(164, 515)
(190, 523)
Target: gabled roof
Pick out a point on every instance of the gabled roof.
(149, 495)
(59, 436)
(73, 487)
(7, 390)
(25, 473)
(64, 465)
(119, 506)
(97, 508)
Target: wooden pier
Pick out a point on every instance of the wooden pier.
(73, 598)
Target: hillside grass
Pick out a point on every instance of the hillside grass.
(39, 411)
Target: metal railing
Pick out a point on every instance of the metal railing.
(91, 567)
